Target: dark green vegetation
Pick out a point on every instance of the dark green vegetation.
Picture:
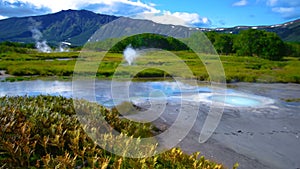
(259, 43)
(138, 41)
(43, 132)
(77, 27)
(14, 47)
(253, 42)
(293, 49)
(292, 100)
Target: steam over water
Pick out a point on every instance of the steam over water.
(130, 54)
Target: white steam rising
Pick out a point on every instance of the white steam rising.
(41, 44)
(63, 47)
(130, 54)
(43, 47)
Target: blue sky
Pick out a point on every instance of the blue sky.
(194, 13)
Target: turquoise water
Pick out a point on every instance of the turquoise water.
(141, 91)
(235, 100)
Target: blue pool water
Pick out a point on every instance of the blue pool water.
(237, 101)
(141, 91)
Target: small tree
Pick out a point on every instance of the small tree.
(292, 49)
(212, 35)
(273, 47)
(223, 43)
(259, 43)
(247, 42)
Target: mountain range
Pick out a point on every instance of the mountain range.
(77, 26)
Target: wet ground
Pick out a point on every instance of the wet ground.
(265, 137)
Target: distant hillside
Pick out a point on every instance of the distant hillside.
(77, 26)
(71, 25)
(289, 32)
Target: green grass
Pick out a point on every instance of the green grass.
(291, 100)
(37, 56)
(250, 69)
(43, 132)
(157, 64)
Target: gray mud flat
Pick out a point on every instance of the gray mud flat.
(3, 74)
(265, 137)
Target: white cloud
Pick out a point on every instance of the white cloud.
(288, 9)
(176, 18)
(2, 17)
(152, 4)
(240, 3)
(120, 7)
(283, 9)
(283, 3)
(192, 18)
(54, 5)
(58, 5)
(161, 18)
(117, 7)
(11, 8)
(272, 2)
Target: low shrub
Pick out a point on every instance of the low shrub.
(43, 132)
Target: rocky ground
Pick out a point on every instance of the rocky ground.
(3, 74)
(264, 137)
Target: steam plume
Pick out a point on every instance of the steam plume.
(37, 35)
(63, 47)
(130, 54)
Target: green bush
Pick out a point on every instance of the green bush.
(152, 73)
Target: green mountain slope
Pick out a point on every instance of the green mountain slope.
(71, 25)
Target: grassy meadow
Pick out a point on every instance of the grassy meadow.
(155, 65)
